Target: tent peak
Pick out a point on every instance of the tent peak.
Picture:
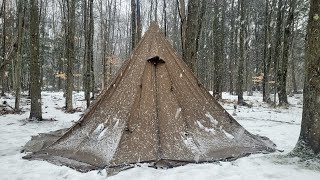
(154, 27)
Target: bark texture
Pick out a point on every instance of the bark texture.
(35, 85)
(196, 11)
(19, 54)
(240, 80)
(70, 54)
(310, 127)
(282, 73)
(265, 81)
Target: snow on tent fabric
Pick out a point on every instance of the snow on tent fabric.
(156, 112)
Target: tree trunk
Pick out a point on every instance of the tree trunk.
(242, 53)
(70, 54)
(190, 52)
(202, 12)
(139, 24)
(193, 30)
(86, 61)
(293, 63)
(282, 74)
(151, 11)
(103, 44)
(276, 57)
(42, 22)
(165, 17)
(265, 81)
(309, 140)
(65, 48)
(35, 86)
(91, 33)
(218, 50)
(3, 67)
(156, 11)
(248, 59)
(269, 54)
(232, 49)
(183, 25)
(133, 24)
(293, 76)
(17, 69)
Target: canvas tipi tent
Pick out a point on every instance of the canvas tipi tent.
(156, 112)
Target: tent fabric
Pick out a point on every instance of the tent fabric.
(155, 111)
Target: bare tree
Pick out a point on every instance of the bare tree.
(35, 86)
(183, 24)
(139, 23)
(71, 5)
(165, 17)
(156, 11)
(196, 11)
(309, 140)
(282, 73)
(276, 57)
(4, 63)
(265, 81)
(240, 80)
(293, 69)
(232, 48)
(21, 12)
(133, 24)
(86, 60)
(90, 46)
(219, 40)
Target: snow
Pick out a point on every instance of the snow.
(209, 130)
(281, 125)
(230, 136)
(177, 113)
(188, 141)
(212, 120)
(102, 134)
(117, 123)
(99, 129)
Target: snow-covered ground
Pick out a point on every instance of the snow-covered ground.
(281, 125)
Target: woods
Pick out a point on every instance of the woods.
(236, 46)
